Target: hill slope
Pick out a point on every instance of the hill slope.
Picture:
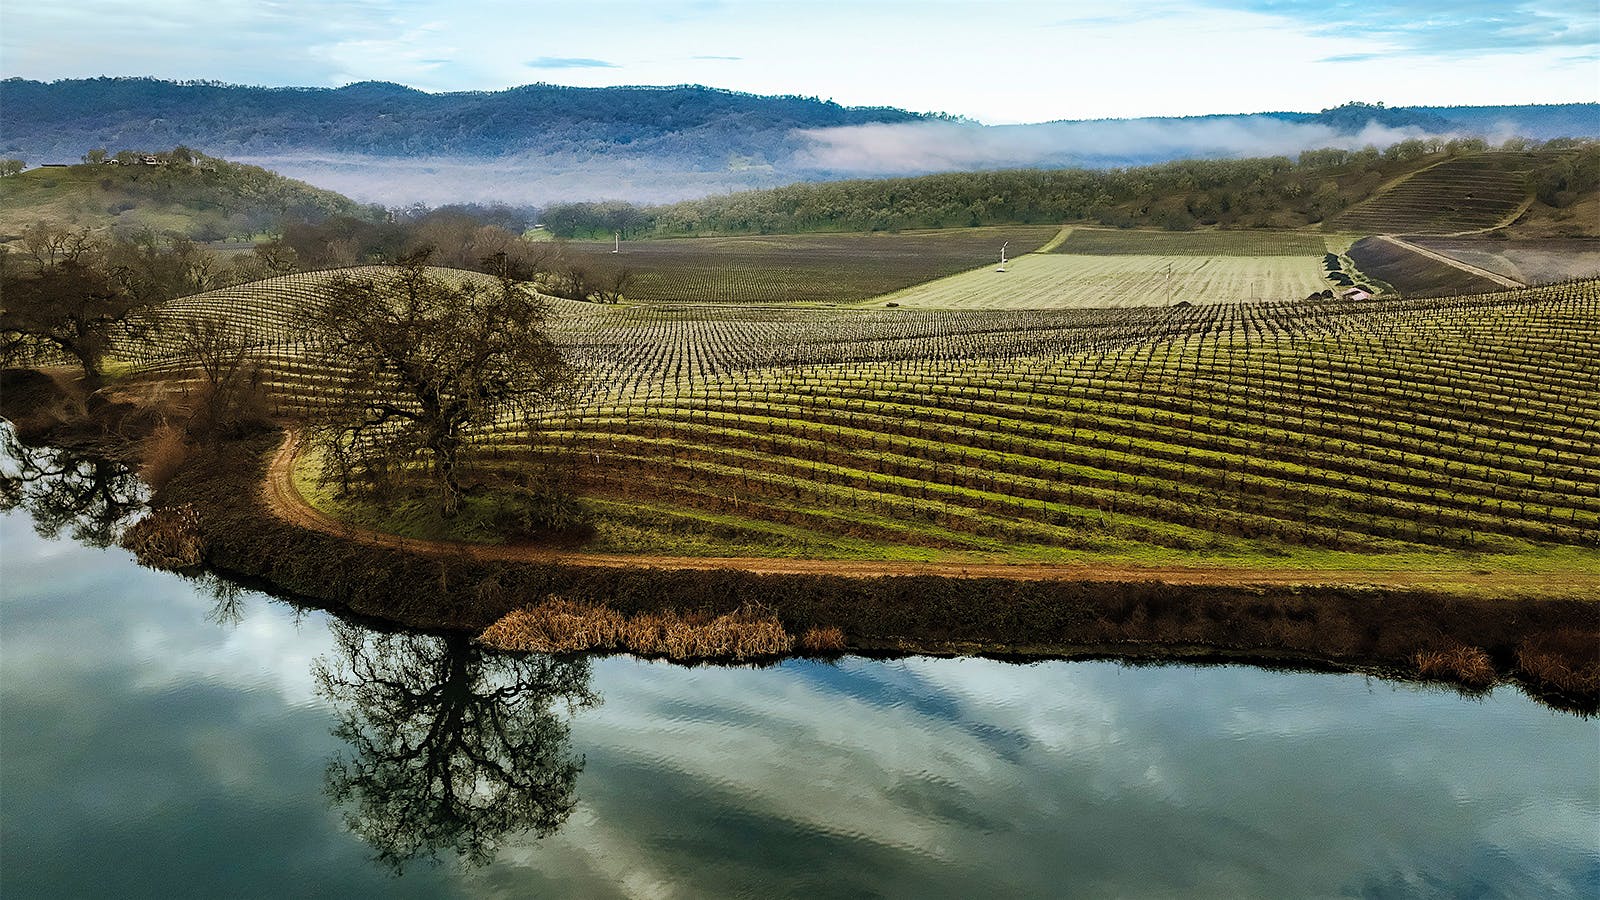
(203, 198)
(1457, 195)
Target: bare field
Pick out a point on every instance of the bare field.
(1414, 274)
(1527, 261)
(1064, 280)
(1255, 242)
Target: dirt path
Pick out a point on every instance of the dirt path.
(285, 501)
(1470, 269)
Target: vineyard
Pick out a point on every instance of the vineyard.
(1465, 194)
(813, 268)
(1424, 433)
(1061, 280)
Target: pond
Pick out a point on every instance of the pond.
(170, 737)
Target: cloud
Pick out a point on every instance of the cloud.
(569, 62)
(727, 58)
(918, 147)
(1463, 28)
(1351, 57)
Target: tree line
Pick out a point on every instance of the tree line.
(1259, 192)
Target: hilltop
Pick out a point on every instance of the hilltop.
(177, 192)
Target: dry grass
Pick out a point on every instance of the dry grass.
(556, 626)
(564, 626)
(163, 453)
(1567, 660)
(167, 539)
(822, 640)
(1467, 666)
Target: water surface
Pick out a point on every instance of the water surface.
(159, 738)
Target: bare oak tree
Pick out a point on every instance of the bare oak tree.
(67, 295)
(416, 362)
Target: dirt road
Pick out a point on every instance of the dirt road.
(285, 501)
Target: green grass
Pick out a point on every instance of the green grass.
(414, 514)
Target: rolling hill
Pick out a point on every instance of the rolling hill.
(1457, 195)
(196, 196)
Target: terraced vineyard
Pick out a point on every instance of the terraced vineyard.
(1464, 194)
(1423, 433)
(814, 268)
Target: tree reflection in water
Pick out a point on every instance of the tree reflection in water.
(451, 747)
(94, 497)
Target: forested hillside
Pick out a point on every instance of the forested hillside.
(1264, 192)
(390, 120)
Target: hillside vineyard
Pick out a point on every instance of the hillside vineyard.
(1383, 427)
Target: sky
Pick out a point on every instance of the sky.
(999, 61)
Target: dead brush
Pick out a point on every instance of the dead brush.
(749, 632)
(557, 625)
(1469, 667)
(1567, 660)
(829, 639)
(162, 454)
(168, 539)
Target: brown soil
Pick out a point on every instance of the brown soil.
(286, 502)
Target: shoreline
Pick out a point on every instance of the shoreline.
(1128, 615)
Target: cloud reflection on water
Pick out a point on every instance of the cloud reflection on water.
(145, 746)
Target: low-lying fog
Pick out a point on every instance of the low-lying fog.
(879, 150)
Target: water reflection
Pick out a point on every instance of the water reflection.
(146, 751)
(61, 489)
(451, 748)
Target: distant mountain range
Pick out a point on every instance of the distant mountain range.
(541, 143)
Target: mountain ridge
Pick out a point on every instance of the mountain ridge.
(540, 143)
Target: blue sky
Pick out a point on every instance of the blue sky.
(1001, 61)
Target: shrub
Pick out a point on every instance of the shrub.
(1467, 666)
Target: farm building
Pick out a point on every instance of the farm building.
(1356, 294)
